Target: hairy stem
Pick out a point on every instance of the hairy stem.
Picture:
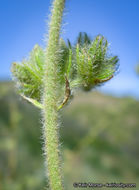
(50, 97)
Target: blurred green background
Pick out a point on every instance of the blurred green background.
(98, 135)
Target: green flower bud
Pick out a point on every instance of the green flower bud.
(94, 64)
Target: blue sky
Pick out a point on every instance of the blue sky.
(24, 23)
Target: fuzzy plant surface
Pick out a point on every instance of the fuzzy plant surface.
(85, 65)
(48, 77)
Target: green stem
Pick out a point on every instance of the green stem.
(50, 98)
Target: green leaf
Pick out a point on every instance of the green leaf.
(34, 102)
(29, 74)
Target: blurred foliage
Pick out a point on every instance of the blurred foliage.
(137, 69)
(21, 161)
(99, 136)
